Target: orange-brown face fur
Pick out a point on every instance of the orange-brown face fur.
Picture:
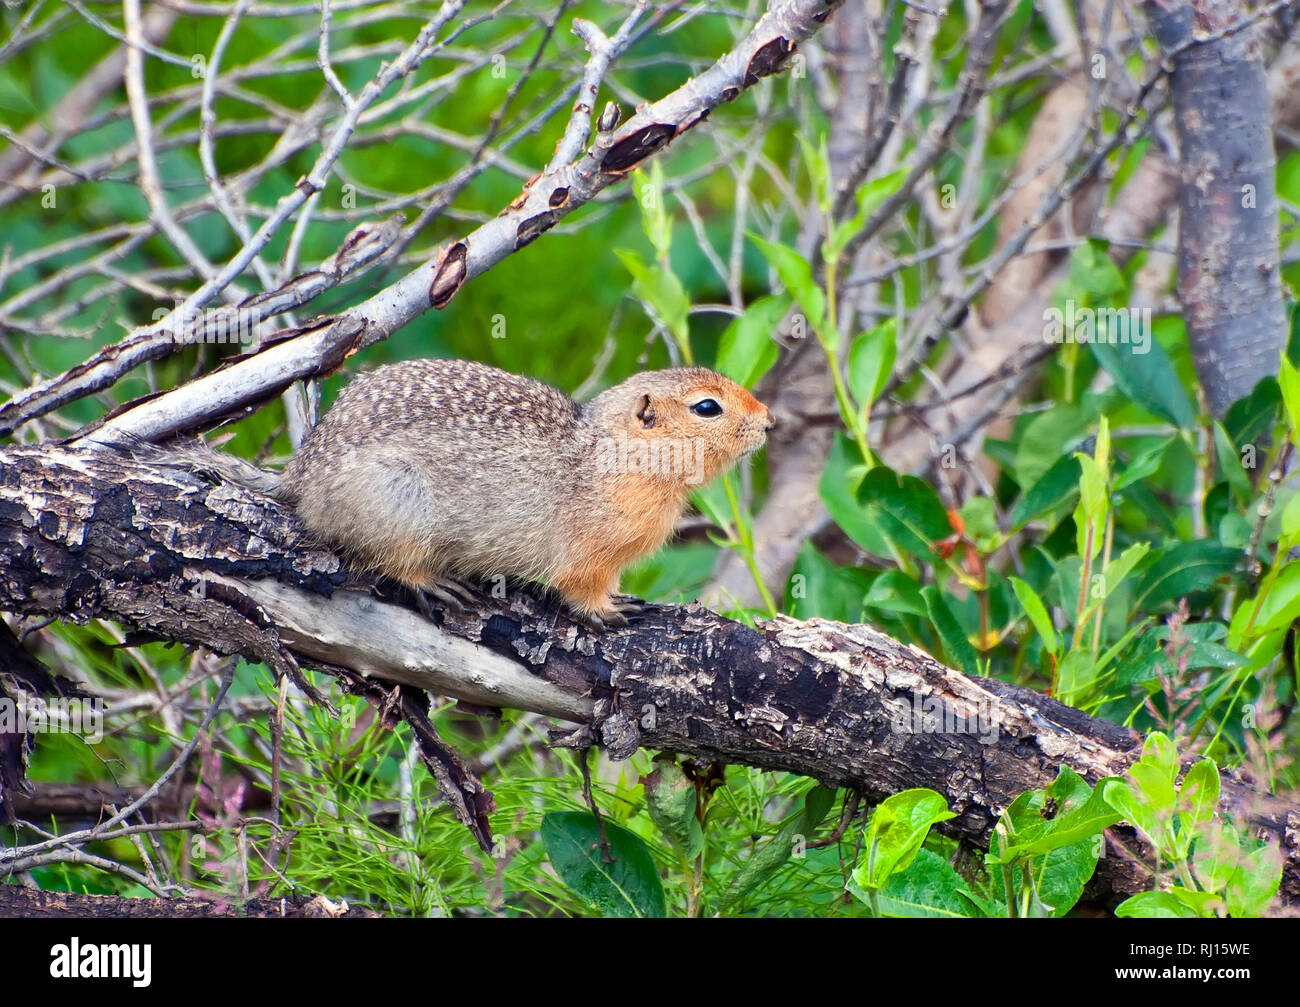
(739, 429)
(665, 434)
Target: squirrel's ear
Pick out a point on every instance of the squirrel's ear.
(645, 412)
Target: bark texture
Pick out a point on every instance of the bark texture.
(17, 902)
(1229, 262)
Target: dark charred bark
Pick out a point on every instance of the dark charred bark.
(96, 534)
(17, 902)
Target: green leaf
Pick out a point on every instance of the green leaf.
(661, 291)
(816, 804)
(1253, 887)
(839, 485)
(1114, 574)
(1201, 903)
(1076, 675)
(1082, 813)
(1155, 773)
(649, 188)
(957, 647)
(1057, 485)
(1092, 486)
(1155, 906)
(1061, 875)
(675, 573)
(769, 857)
(1160, 752)
(1121, 567)
(1148, 665)
(873, 193)
(906, 508)
(869, 196)
(747, 350)
(1120, 796)
(711, 501)
(1244, 871)
(1094, 273)
(1156, 788)
(1148, 380)
(1144, 465)
(1022, 816)
(820, 589)
(980, 517)
(629, 887)
(1288, 380)
(1045, 439)
(1101, 452)
(871, 362)
(817, 160)
(894, 591)
(765, 862)
(1251, 416)
(1281, 606)
(1290, 524)
(1230, 464)
(797, 277)
(1038, 615)
(1181, 569)
(928, 888)
(1084, 543)
(1198, 797)
(895, 833)
(1216, 854)
(671, 800)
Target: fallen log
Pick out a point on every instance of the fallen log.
(94, 533)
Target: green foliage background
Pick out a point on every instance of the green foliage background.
(1115, 444)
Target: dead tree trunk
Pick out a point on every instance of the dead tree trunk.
(1229, 262)
(92, 533)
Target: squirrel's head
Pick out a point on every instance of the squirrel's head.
(686, 425)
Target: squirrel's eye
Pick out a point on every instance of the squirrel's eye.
(707, 407)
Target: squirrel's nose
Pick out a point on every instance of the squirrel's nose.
(770, 420)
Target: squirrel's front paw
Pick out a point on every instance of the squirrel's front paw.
(620, 610)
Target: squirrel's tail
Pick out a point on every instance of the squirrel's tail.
(201, 459)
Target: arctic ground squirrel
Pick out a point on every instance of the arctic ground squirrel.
(431, 472)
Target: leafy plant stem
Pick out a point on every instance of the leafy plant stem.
(1279, 560)
(1105, 562)
(1243, 676)
(1085, 576)
(689, 871)
(744, 544)
(1009, 890)
(984, 618)
(830, 340)
(1071, 362)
